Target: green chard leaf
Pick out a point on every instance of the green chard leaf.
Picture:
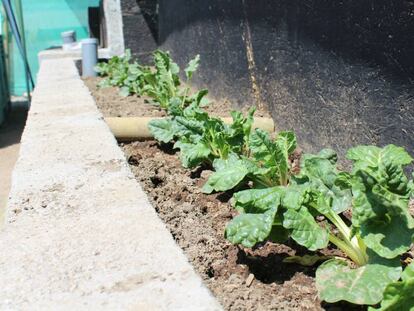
(295, 196)
(256, 200)
(162, 129)
(304, 229)
(322, 174)
(365, 157)
(388, 234)
(192, 67)
(286, 144)
(199, 98)
(399, 296)
(104, 83)
(250, 229)
(365, 285)
(381, 194)
(273, 154)
(242, 125)
(192, 155)
(228, 174)
(262, 147)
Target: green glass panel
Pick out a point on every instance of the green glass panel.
(44, 20)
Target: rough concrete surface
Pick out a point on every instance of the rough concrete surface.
(80, 233)
(74, 54)
(113, 26)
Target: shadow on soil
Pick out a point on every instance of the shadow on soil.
(270, 268)
(11, 130)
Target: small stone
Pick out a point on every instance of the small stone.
(205, 174)
(249, 279)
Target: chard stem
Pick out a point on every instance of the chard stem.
(262, 181)
(348, 250)
(355, 244)
(184, 98)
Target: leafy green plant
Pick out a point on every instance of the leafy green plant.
(202, 138)
(399, 295)
(279, 204)
(381, 228)
(163, 84)
(119, 72)
(265, 163)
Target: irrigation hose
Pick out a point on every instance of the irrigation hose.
(136, 128)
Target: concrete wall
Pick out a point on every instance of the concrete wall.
(337, 72)
(113, 26)
(80, 233)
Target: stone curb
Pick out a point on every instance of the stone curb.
(80, 233)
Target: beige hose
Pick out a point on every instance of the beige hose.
(136, 128)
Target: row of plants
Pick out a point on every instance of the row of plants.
(277, 203)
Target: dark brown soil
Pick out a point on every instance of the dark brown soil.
(241, 279)
(111, 104)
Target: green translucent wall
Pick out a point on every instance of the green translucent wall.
(3, 84)
(44, 20)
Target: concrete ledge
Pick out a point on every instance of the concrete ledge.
(80, 233)
(73, 54)
(113, 26)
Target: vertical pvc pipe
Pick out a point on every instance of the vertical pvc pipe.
(89, 57)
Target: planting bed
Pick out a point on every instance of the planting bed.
(242, 279)
(112, 104)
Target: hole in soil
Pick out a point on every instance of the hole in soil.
(224, 197)
(270, 268)
(156, 181)
(134, 159)
(167, 148)
(210, 272)
(194, 174)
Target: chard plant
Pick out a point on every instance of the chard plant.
(163, 84)
(200, 137)
(265, 163)
(120, 72)
(381, 229)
